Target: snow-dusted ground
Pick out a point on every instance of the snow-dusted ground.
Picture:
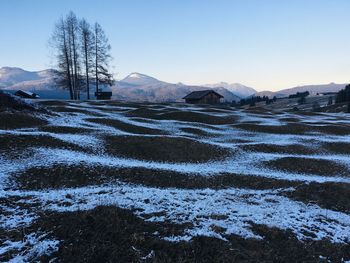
(234, 210)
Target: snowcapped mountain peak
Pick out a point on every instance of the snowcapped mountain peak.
(17, 78)
(236, 88)
(7, 69)
(136, 78)
(136, 75)
(10, 71)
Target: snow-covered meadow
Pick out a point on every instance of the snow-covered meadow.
(244, 169)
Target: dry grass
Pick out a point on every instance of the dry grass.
(336, 129)
(197, 132)
(73, 110)
(289, 119)
(17, 120)
(65, 129)
(126, 127)
(337, 147)
(167, 149)
(295, 128)
(281, 129)
(61, 176)
(333, 196)
(110, 234)
(197, 117)
(53, 103)
(17, 146)
(258, 110)
(142, 112)
(181, 116)
(309, 166)
(283, 149)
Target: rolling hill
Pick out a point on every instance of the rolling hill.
(313, 89)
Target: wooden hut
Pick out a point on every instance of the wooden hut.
(26, 94)
(203, 97)
(103, 95)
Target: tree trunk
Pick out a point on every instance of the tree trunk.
(87, 68)
(75, 64)
(96, 58)
(67, 64)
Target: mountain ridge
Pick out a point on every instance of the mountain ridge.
(236, 88)
(313, 89)
(141, 87)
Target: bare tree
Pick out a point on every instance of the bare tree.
(87, 38)
(59, 41)
(73, 31)
(77, 46)
(102, 58)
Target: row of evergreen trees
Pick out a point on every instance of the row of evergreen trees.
(83, 55)
(343, 95)
(254, 99)
(299, 95)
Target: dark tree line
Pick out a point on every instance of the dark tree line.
(83, 56)
(254, 99)
(343, 95)
(299, 95)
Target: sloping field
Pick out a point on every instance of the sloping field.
(117, 182)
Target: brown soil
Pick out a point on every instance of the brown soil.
(166, 149)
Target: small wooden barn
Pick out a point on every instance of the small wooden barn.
(203, 97)
(103, 95)
(26, 94)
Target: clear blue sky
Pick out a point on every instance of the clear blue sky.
(266, 44)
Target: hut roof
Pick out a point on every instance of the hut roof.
(200, 94)
(26, 94)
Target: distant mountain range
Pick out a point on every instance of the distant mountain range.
(135, 87)
(313, 89)
(140, 87)
(17, 78)
(236, 88)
